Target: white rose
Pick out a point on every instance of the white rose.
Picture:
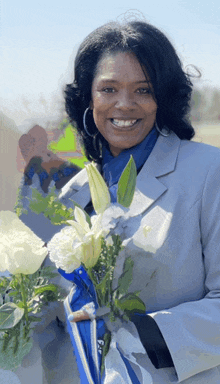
(21, 251)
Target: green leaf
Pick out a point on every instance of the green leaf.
(126, 184)
(130, 303)
(126, 278)
(10, 315)
(107, 342)
(102, 291)
(44, 288)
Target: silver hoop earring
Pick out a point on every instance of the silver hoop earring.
(165, 131)
(84, 123)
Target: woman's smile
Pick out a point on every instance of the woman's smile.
(124, 123)
(124, 108)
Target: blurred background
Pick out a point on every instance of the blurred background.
(39, 40)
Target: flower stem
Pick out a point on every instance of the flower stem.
(24, 299)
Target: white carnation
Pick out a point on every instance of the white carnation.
(65, 250)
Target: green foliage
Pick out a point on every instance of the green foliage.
(30, 293)
(126, 278)
(15, 344)
(120, 302)
(51, 207)
(130, 303)
(18, 208)
(102, 272)
(41, 291)
(126, 184)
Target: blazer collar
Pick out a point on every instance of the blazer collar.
(149, 188)
(161, 161)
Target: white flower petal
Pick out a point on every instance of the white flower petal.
(81, 218)
(98, 189)
(80, 231)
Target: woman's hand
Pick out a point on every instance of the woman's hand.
(87, 312)
(78, 316)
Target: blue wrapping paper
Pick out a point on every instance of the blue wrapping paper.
(87, 336)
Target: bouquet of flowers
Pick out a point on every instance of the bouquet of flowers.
(24, 289)
(86, 252)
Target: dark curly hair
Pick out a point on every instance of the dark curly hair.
(171, 85)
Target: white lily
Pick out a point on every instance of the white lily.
(99, 191)
(21, 251)
(78, 243)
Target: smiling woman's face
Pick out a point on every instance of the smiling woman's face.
(124, 108)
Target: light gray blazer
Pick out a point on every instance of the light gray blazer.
(178, 272)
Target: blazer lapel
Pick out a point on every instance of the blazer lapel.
(149, 188)
(77, 189)
(161, 161)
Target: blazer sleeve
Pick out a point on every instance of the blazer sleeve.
(191, 330)
(153, 341)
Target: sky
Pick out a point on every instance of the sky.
(38, 41)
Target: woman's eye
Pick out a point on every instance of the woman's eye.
(144, 91)
(108, 90)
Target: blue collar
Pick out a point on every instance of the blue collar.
(112, 167)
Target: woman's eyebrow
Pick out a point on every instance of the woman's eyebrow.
(117, 81)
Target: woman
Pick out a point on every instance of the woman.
(130, 95)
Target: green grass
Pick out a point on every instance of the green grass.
(80, 162)
(66, 143)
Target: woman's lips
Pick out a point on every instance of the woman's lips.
(122, 123)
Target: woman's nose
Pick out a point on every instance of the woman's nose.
(125, 100)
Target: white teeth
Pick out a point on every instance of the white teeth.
(123, 123)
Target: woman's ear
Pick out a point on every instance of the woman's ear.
(91, 105)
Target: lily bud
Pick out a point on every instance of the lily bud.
(98, 189)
